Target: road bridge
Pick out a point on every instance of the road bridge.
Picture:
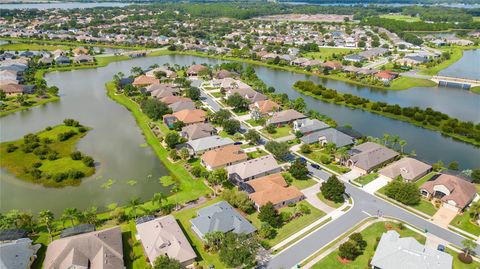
(456, 82)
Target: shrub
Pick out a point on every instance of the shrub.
(82, 129)
(270, 215)
(71, 122)
(37, 164)
(66, 135)
(11, 148)
(52, 156)
(59, 177)
(196, 171)
(48, 128)
(75, 174)
(76, 155)
(88, 161)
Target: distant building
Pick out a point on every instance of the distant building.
(285, 117)
(18, 254)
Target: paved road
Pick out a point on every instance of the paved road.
(364, 202)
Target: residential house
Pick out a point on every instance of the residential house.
(182, 105)
(274, 189)
(263, 108)
(285, 117)
(12, 89)
(373, 53)
(96, 250)
(143, 80)
(195, 70)
(187, 116)
(168, 100)
(164, 237)
(83, 58)
(394, 252)
(251, 169)
(80, 51)
(454, 192)
(162, 90)
(408, 168)
(62, 60)
(201, 145)
(300, 61)
(386, 75)
(197, 131)
(18, 253)
(220, 217)
(307, 126)
(332, 65)
(249, 94)
(224, 156)
(329, 135)
(168, 73)
(368, 156)
(356, 58)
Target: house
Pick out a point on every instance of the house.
(386, 75)
(196, 69)
(223, 74)
(143, 80)
(164, 237)
(162, 90)
(46, 60)
(168, 73)
(18, 253)
(187, 116)
(124, 82)
(329, 135)
(168, 100)
(82, 58)
(394, 252)
(274, 189)
(368, 156)
(182, 105)
(285, 117)
(220, 217)
(408, 168)
(197, 131)
(80, 51)
(224, 156)
(332, 65)
(356, 58)
(62, 60)
(96, 250)
(300, 61)
(373, 53)
(12, 89)
(307, 126)
(249, 94)
(263, 108)
(201, 145)
(454, 192)
(251, 169)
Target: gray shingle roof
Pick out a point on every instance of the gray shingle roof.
(254, 167)
(221, 217)
(209, 142)
(331, 135)
(285, 116)
(310, 125)
(394, 252)
(369, 155)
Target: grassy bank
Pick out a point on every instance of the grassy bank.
(11, 106)
(456, 53)
(48, 159)
(65, 43)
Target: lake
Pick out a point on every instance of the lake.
(118, 145)
(467, 67)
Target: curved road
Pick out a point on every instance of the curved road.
(363, 202)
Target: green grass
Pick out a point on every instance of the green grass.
(256, 154)
(303, 184)
(183, 217)
(425, 207)
(217, 94)
(32, 47)
(292, 226)
(364, 180)
(475, 89)
(477, 19)
(280, 132)
(463, 222)
(457, 264)
(402, 83)
(67, 43)
(456, 54)
(400, 17)
(224, 134)
(316, 156)
(369, 234)
(328, 202)
(18, 161)
(10, 106)
(190, 188)
(253, 122)
(424, 179)
(326, 53)
(133, 254)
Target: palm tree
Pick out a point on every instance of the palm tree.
(395, 140)
(153, 66)
(158, 198)
(70, 213)
(468, 246)
(136, 71)
(386, 138)
(134, 203)
(342, 155)
(46, 217)
(475, 209)
(175, 189)
(402, 144)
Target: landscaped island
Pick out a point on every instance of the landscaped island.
(49, 157)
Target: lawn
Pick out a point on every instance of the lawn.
(426, 207)
(316, 156)
(217, 94)
(183, 217)
(10, 105)
(402, 83)
(425, 179)
(457, 264)
(369, 234)
(364, 180)
(303, 184)
(326, 53)
(456, 54)
(18, 161)
(279, 132)
(32, 47)
(256, 154)
(224, 134)
(463, 222)
(133, 254)
(292, 226)
(253, 122)
(400, 17)
(328, 202)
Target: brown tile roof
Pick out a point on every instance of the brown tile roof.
(145, 80)
(272, 188)
(168, 100)
(11, 88)
(408, 168)
(188, 116)
(332, 65)
(266, 106)
(195, 69)
(462, 192)
(100, 249)
(222, 156)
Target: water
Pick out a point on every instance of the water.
(393, 4)
(115, 139)
(66, 5)
(467, 67)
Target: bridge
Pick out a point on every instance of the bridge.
(456, 82)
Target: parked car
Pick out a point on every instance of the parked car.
(238, 143)
(302, 160)
(441, 247)
(316, 166)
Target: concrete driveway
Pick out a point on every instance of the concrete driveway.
(350, 175)
(376, 184)
(311, 195)
(444, 216)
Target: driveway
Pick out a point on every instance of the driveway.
(350, 176)
(311, 195)
(444, 216)
(376, 184)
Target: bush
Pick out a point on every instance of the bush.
(88, 161)
(75, 174)
(37, 164)
(405, 192)
(11, 148)
(66, 135)
(82, 129)
(270, 215)
(48, 128)
(71, 122)
(76, 155)
(267, 231)
(196, 171)
(59, 177)
(52, 156)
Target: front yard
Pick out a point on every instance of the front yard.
(463, 222)
(324, 158)
(279, 132)
(328, 202)
(364, 180)
(423, 206)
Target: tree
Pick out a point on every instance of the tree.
(402, 144)
(299, 104)
(333, 189)
(238, 102)
(238, 250)
(136, 71)
(217, 177)
(89, 216)
(165, 262)
(220, 116)
(404, 192)
(270, 215)
(278, 149)
(134, 203)
(270, 128)
(213, 241)
(475, 210)
(46, 217)
(386, 139)
(231, 126)
(154, 109)
(476, 175)
(305, 148)
(358, 238)
(253, 137)
(299, 170)
(158, 198)
(3, 95)
(184, 153)
(175, 189)
(172, 139)
(193, 93)
(178, 125)
(349, 250)
(453, 165)
(70, 213)
(267, 231)
(468, 247)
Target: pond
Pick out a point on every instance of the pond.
(118, 145)
(467, 67)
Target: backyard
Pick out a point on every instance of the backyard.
(364, 180)
(326, 53)
(319, 156)
(279, 132)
